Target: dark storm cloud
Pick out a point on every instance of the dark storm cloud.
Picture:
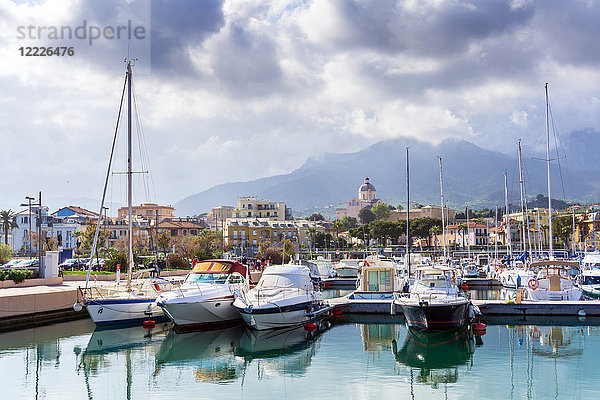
(178, 26)
(429, 31)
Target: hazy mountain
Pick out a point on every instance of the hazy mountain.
(472, 176)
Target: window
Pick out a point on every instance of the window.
(243, 234)
(237, 215)
(254, 242)
(254, 233)
(274, 234)
(235, 233)
(173, 232)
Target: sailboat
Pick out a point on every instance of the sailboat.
(435, 302)
(553, 281)
(134, 302)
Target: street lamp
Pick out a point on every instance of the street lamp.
(29, 198)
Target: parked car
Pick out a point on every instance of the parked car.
(12, 262)
(31, 264)
(73, 264)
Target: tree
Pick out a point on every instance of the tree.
(383, 230)
(163, 242)
(564, 228)
(434, 231)
(365, 216)
(288, 249)
(87, 236)
(316, 217)
(8, 221)
(463, 228)
(381, 211)
(348, 223)
(6, 253)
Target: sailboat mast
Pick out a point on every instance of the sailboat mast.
(548, 171)
(468, 235)
(129, 176)
(407, 213)
(496, 237)
(507, 212)
(443, 210)
(522, 187)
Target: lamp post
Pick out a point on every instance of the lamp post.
(29, 198)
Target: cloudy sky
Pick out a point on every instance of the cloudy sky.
(237, 90)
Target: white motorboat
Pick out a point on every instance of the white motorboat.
(324, 266)
(589, 281)
(553, 282)
(205, 299)
(347, 268)
(435, 302)
(284, 296)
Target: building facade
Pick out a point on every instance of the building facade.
(149, 211)
(252, 207)
(423, 212)
(366, 198)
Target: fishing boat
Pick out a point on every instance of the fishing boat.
(554, 281)
(284, 296)
(205, 298)
(136, 300)
(435, 302)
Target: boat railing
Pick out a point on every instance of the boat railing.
(286, 292)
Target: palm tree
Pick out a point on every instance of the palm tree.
(463, 228)
(434, 231)
(8, 220)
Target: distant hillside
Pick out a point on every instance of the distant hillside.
(472, 176)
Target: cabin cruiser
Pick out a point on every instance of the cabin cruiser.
(284, 296)
(347, 268)
(470, 269)
(205, 298)
(324, 267)
(553, 281)
(589, 279)
(378, 280)
(435, 302)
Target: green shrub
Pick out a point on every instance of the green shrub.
(113, 258)
(17, 275)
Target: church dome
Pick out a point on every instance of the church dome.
(366, 187)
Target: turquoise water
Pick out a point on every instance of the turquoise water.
(355, 357)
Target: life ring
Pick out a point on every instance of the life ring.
(367, 263)
(533, 283)
(156, 286)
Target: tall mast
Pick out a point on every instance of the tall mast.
(548, 171)
(443, 210)
(507, 212)
(407, 214)
(468, 235)
(129, 175)
(525, 224)
(496, 237)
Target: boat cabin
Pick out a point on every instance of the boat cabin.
(217, 271)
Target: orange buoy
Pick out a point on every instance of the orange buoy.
(310, 327)
(149, 324)
(479, 329)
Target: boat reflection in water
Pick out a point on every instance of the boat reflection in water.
(437, 355)
(210, 354)
(287, 351)
(223, 356)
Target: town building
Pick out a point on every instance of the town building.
(150, 211)
(366, 199)
(181, 226)
(463, 235)
(252, 207)
(253, 232)
(423, 212)
(217, 216)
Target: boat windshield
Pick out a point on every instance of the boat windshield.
(437, 280)
(283, 281)
(591, 280)
(206, 278)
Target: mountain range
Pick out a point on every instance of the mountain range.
(473, 176)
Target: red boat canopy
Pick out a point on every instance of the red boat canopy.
(220, 266)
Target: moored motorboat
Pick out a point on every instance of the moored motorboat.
(205, 299)
(435, 302)
(553, 281)
(347, 268)
(284, 296)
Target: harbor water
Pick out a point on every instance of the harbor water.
(355, 356)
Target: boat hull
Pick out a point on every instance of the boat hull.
(123, 311)
(572, 294)
(202, 314)
(436, 316)
(276, 317)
